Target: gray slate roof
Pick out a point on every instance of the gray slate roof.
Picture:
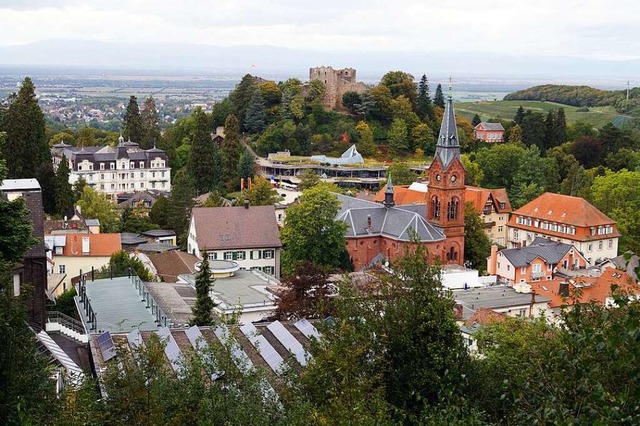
(491, 126)
(448, 146)
(397, 222)
(551, 251)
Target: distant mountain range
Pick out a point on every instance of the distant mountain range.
(270, 60)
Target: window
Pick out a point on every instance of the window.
(600, 244)
(610, 243)
(452, 209)
(435, 207)
(589, 247)
(522, 313)
(500, 228)
(508, 267)
(268, 270)
(267, 254)
(79, 166)
(234, 255)
(112, 166)
(62, 269)
(132, 175)
(213, 256)
(142, 164)
(536, 267)
(132, 165)
(101, 166)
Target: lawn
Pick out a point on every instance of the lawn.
(506, 110)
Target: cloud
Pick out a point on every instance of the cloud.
(594, 29)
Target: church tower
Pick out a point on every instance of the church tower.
(446, 188)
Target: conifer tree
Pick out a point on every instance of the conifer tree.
(519, 116)
(202, 158)
(179, 206)
(204, 304)
(560, 125)
(64, 196)
(255, 119)
(132, 122)
(476, 120)
(24, 123)
(150, 121)
(240, 97)
(438, 99)
(246, 166)
(231, 151)
(424, 107)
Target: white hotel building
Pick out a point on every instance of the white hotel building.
(124, 168)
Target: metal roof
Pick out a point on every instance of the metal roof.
(20, 185)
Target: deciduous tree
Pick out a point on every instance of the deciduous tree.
(311, 232)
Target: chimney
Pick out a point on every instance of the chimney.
(492, 262)
(246, 204)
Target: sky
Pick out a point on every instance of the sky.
(596, 29)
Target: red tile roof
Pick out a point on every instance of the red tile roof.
(99, 244)
(172, 263)
(402, 196)
(484, 316)
(220, 228)
(565, 209)
(596, 289)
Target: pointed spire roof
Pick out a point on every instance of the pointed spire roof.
(389, 185)
(388, 194)
(448, 146)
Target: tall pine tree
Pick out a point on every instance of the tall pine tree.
(179, 206)
(246, 166)
(255, 120)
(519, 116)
(476, 120)
(26, 146)
(202, 158)
(424, 107)
(231, 151)
(132, 128)
(438, 99)
(204, 304)
(150, 121)
(64, 196)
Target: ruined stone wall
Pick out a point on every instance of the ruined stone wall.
(337, 83)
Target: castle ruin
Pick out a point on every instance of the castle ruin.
(337, 83)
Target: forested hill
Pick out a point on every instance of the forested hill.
(580, 96)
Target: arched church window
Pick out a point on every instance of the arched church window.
(435, 207)
(453, 207)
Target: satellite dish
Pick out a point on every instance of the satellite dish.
(198, 266)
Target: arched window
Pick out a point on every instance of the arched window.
(435, 207)
(452, 255)
(452, 209)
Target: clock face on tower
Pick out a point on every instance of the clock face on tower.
(438, 178)
(453, 178)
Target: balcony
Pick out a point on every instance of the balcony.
(537, 274)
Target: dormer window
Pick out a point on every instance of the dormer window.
(101, 166)
(132, 165)
(112, 166)
(142, 164)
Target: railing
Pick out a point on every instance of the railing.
(65, 320)
(539, 274)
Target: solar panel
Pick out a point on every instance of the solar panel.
(307, 329)
(199, 344)
(240, 358)
(289, 342)
(268, 353)
(135, 339)
(107, 348)
(171, 348)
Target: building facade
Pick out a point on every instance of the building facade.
(494, 208)
(538, 261)
(125, 168)
(571, 220)
(246, 235)
(32, 270)
(489, 132)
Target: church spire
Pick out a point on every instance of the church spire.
(448, 146)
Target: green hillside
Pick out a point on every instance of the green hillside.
(506, 110)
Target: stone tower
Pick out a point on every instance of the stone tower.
(337, 83)
(446, 188)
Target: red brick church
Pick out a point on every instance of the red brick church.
(377, 233)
